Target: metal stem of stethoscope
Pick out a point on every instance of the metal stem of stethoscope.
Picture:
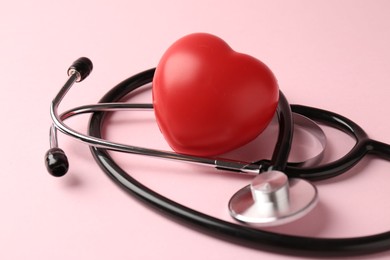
(74, 76)
(56, 160)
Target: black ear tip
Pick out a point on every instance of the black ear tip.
(83, 66)
(56, 162)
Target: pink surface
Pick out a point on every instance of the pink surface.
(330, 54)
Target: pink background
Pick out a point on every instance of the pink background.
(330, 54)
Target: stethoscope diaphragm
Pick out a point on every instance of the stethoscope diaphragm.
(273, 199)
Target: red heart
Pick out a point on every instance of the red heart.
(209, 99)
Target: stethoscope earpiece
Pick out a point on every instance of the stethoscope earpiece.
(273, 199)
(56, 162)
(82, 67)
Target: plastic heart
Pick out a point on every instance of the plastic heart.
(209, 99)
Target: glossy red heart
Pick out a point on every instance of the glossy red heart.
(209, 99)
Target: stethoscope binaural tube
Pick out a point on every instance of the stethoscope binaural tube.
(56, 160)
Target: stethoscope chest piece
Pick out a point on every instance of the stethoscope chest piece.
(273, 199)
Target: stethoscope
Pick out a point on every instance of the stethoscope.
(279, 193)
